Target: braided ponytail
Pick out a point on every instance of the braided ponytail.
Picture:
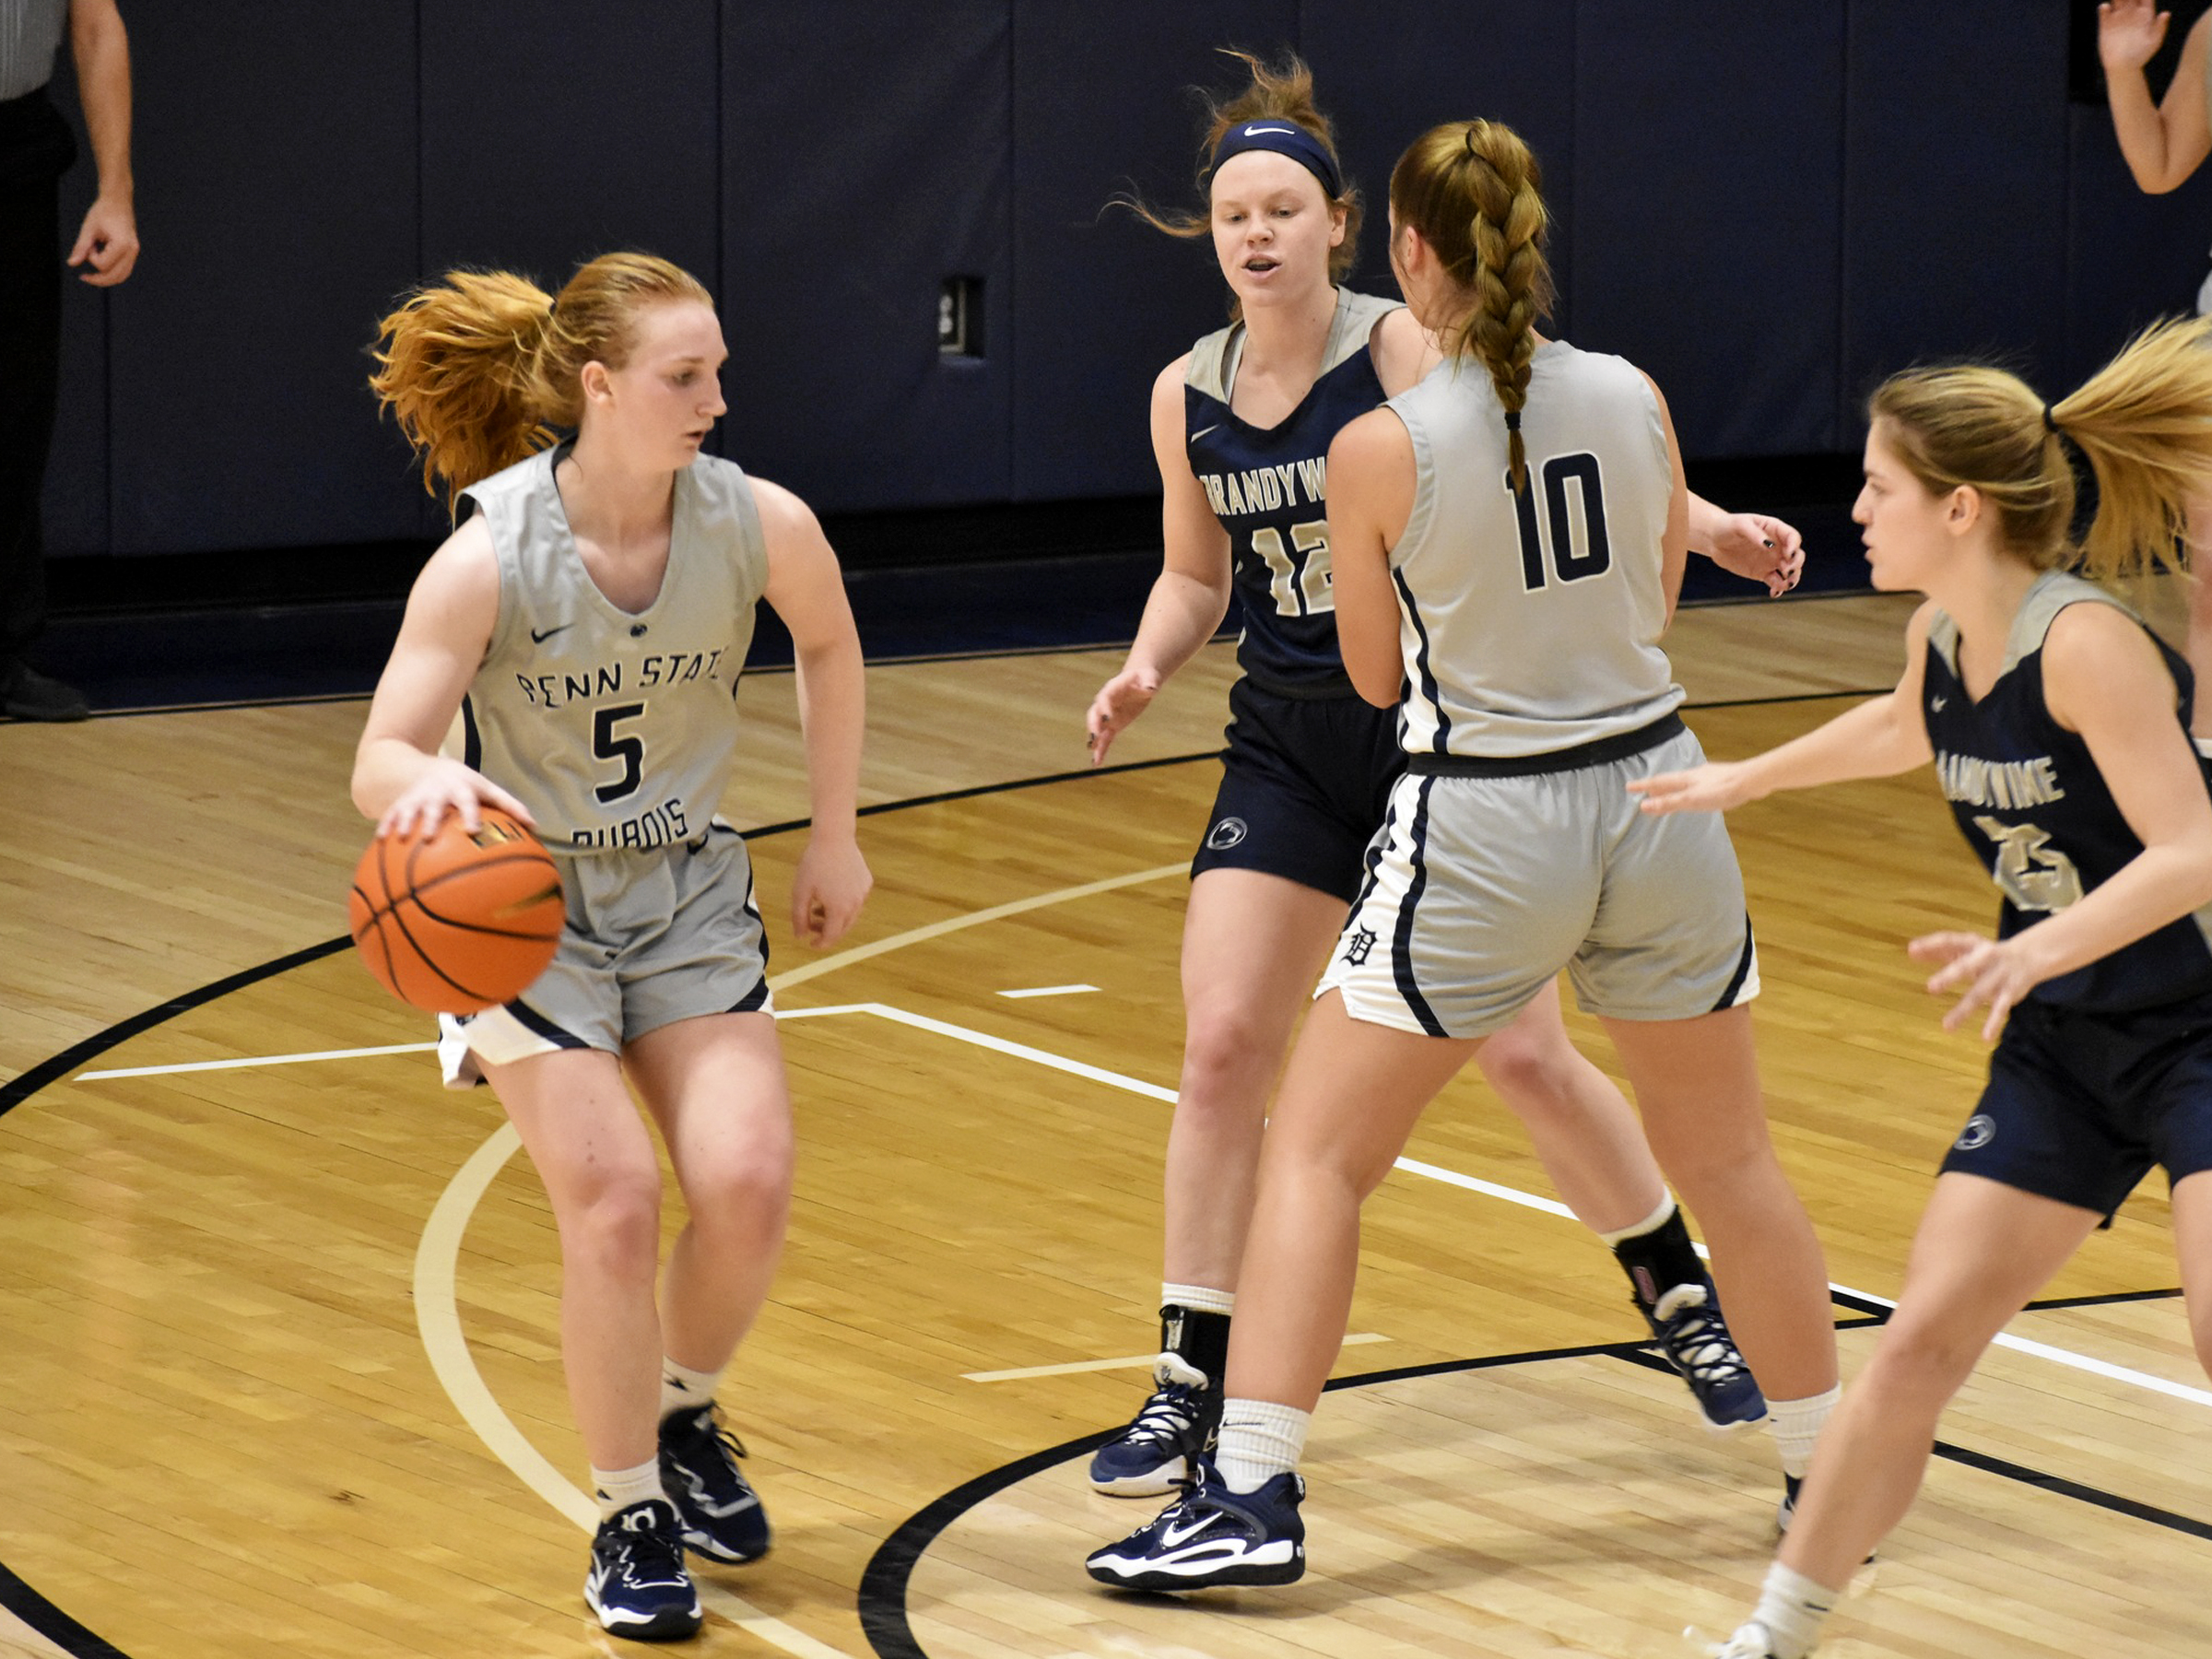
(1474, 192)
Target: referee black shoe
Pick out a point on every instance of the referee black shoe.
(637, 1585)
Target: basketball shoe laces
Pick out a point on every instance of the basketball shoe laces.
(1174, 1409)
(648, 1554)
(722, 1488)
(1696, 1342)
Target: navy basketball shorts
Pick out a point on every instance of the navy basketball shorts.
(2081, 1105)
(1304, 781)
(651, 938)
(1484, 886)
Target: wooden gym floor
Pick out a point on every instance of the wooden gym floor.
(277, 1357)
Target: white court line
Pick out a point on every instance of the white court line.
(1047, 991)
(1132, 1362)
(200, 1066)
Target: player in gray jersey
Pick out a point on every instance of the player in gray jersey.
(1309, 769)
(1529, 577)
(583, 631)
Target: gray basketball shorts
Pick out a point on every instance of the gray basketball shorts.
(651, 938)
(1479, 889)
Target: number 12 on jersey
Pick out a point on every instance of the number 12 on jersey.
(1288, 582)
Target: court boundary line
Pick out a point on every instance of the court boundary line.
(883, 1582)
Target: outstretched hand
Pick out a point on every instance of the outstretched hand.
(1994, 973)
(1120, 700)
(1759, 548)
(1713, 787)
(2129, 33)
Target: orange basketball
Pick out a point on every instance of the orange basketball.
(457, 920)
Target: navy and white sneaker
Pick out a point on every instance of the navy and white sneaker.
(1212, 1537)
(719, 1513)
(1750, 1641)
(1159, 1449)
(1694, 1339)
(637, 1585)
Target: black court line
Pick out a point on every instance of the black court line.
(883, 1586)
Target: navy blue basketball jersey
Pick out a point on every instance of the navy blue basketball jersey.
(1269, 488)
(2033, 804)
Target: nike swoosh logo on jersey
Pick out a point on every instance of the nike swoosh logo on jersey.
(540, 639)
(1202, 431)
(1935, 704)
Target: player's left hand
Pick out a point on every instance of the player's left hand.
(108, 242)
(826, 893)
(1759, 548)
(1994, 973)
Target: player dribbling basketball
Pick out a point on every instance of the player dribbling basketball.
(587, 622)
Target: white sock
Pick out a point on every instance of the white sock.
(1797, 1426)
(1650, 1224)
(683, 1389)
(1198, 1299)
(1259, 1440)
(616, 1489)
(1791, 1608)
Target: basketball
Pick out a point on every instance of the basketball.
(457, 920)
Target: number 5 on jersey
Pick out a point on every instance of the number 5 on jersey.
(626, 749)
(1289, 582)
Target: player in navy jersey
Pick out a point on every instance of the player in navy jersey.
(1242, 427)
(2060, 729)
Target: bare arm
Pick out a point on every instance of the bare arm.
(399, 778)
(1877, 739)
(2104, 678)
(1673, 547)
(1751, 544)
(1189, 597)
(102, 50)
(808, 592)
(1371, 483)
(2162, 143)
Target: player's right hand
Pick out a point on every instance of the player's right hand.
(1713, 787)
(1120, 700)
(2129, 33)
(445, 785)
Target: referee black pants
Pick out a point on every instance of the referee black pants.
(36, 147)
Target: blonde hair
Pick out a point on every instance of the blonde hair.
(1281, 91)
(2143, 422)
(480, 367)
(1474, 192)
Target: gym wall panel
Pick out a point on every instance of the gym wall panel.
(2130, 258)
(1388, 70)
(1954, 189)
(866, 157)
(74, 511)
(1103, 301)
(275, 157)
(1708, 212)
(549, 137)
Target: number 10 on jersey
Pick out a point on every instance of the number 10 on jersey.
(1297, 590)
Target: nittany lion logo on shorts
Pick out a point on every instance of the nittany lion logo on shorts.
(1226, 834)
(1981, 1129)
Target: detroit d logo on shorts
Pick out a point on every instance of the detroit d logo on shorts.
(1981, 1129)
(1226, 834)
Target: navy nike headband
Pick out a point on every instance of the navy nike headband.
(1284, 138)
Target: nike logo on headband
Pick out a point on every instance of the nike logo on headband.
(1251, 130)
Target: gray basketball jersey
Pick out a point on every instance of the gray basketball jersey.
(616, 729)
(1532, 624)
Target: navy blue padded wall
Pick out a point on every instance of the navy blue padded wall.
(74, 513)
(1103, 302)
(1386, 72)
(1708, 211)
(553, 130)
(865, 159)
(275, 157)
(2130, 257)
(1954, 189)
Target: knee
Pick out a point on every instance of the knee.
(1915, 1369)
(1228, 1053)
(2200, 1327)
(615, 1224)
(745, 1196)
(1537, 1074)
